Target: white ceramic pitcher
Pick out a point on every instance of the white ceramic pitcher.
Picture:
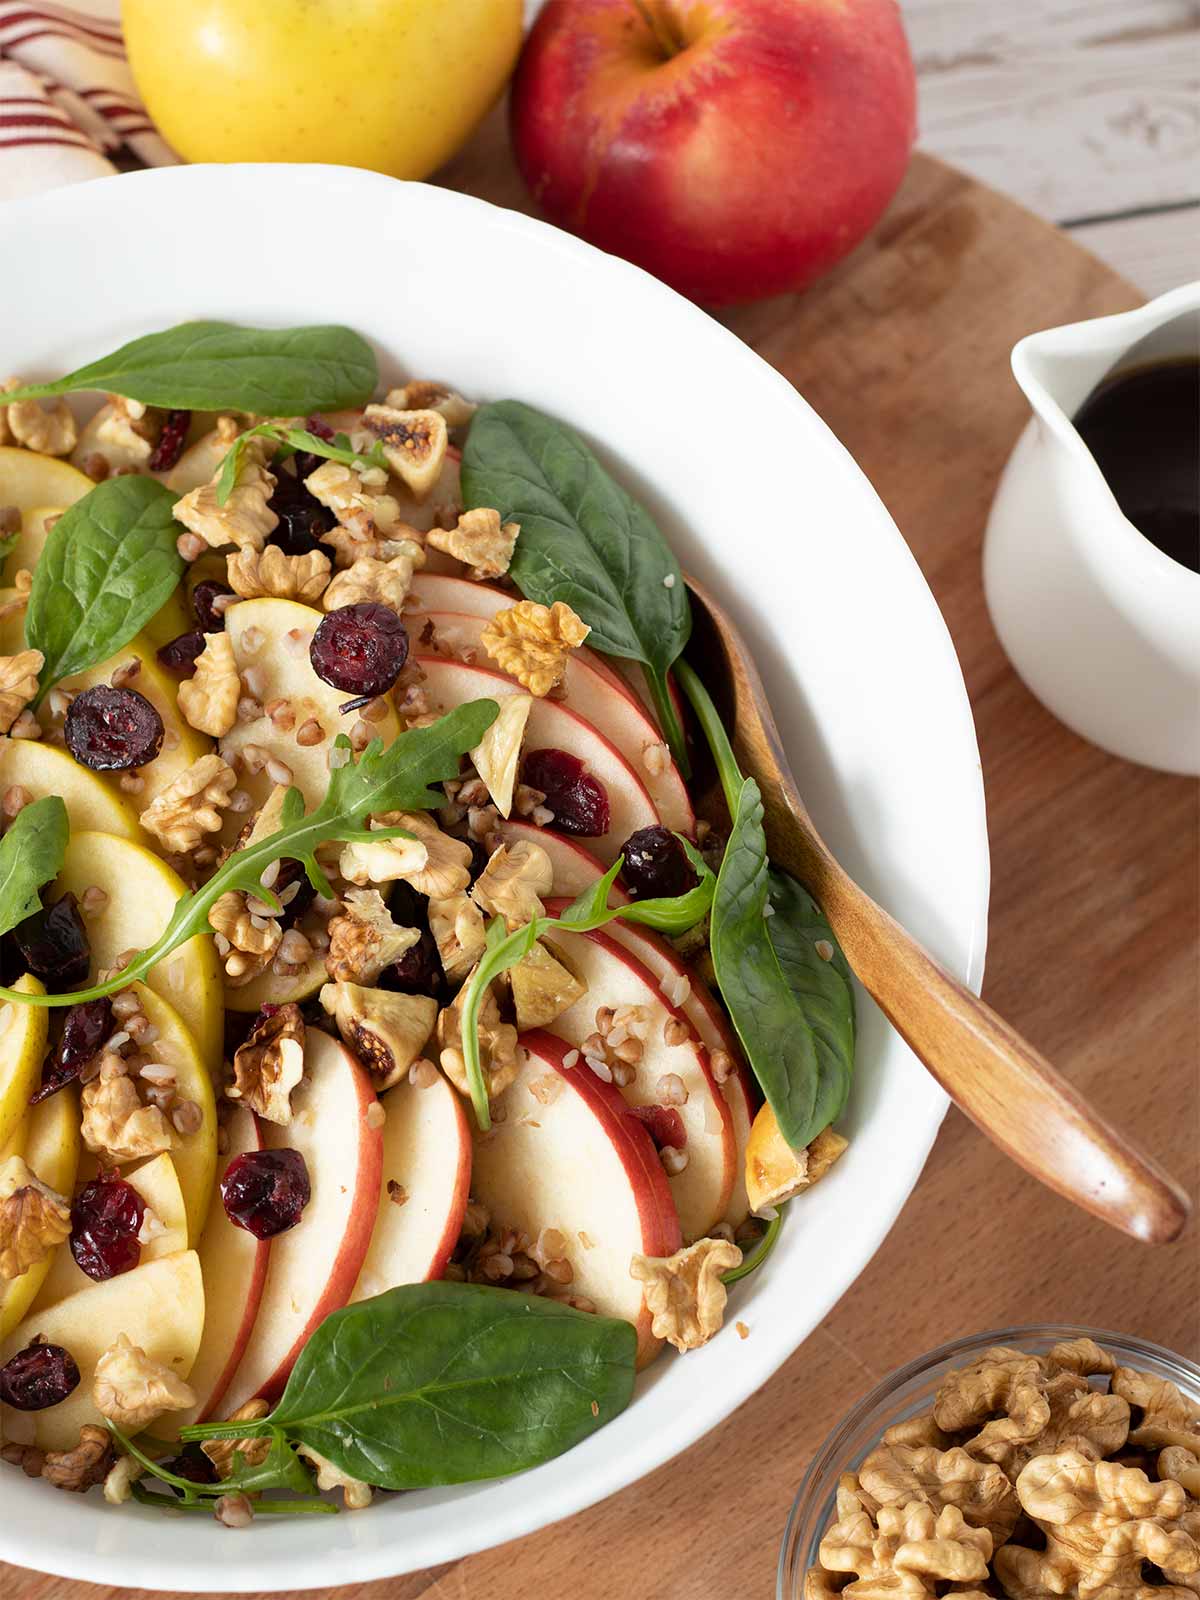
(1102, 626)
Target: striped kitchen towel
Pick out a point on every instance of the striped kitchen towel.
(67, 100)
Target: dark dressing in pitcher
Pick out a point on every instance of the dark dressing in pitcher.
(1143, 428)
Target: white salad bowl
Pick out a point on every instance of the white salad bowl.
(762, 503)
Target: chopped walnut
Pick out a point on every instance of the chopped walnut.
(9, 384)
(498, 753)
(366, 861)
(1168, 1417)
(209, 698)
(497, 1045)
(897, 1474)
(117, 1125)
(359, 500)
(131, 1389)
(18, 684)
(532, 642)
(513, 882)
(246, 517)
(907, 1552)
(120, 1479)
(456, 923)
(684, 1292)
(363, 939)
(369, 579)
(190, 806)
(446, 869)
(82, 1467)
(386, 1031)
(247, 931)
(480, 541)
(269, 1064)
(254, 573)
(253, 1450)
(414, 443)
(419, 394)
(123, 432)
(33, 1218)
(542, 988)
(48, 428)
(356, 1496)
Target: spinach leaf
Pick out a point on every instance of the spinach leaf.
(109, 564)
(396, 779)
(583, 540)
(215, 366)
(31, 853)
(440, 1383)
(291, 440)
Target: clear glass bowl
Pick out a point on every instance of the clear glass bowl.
(910, 1390)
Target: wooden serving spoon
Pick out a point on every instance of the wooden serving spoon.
(997, 1078)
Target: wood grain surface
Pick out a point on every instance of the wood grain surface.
(904, 352)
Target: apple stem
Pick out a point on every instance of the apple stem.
(659, 24)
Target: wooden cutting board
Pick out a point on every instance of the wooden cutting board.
(904, 352)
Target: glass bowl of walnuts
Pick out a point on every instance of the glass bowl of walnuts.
(1022, 1464)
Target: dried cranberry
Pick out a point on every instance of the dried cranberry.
(171, 441)
(265, 1191)
(360, 648)
(110, 729)
(579, 801)
(302, 518)
(41, 1375)
(86, 1028)
(418, 971)
(663, 1124)
(210, 616)
(191, 1463)
(320, 427)
(179, 655)
(54, 945)
(106, 1215)
(656, 865)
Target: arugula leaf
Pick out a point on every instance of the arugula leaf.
(441, 1383)
(31, 853)
(293, 439)
(583, 540)
(108, 565)
(217, 366)
(396, 779)
(281, 1469)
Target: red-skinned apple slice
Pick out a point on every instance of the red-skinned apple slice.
(554, 726)
(575, 867)
(567, 1155)
(615, 978)
(423, 1195)
(233, 1264)
(313, 1266)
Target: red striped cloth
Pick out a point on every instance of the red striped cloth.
(67, 100)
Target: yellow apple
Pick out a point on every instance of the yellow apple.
(394, 85)
(49, 1139)
(23, 1031)
(43, 769)
(31, 482)
(142, 893)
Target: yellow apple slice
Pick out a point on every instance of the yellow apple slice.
(195, 1156)
(198, 463)
(142, 893)
(23, 1031)
(29, 480)
(270, 989)
(50, 1143)
(181, 743)
(43, 769)
(159, 1305)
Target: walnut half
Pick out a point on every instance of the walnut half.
(130, 1388)
(269, 1064)
(33, 1218)
(684, 1292)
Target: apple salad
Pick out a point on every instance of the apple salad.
(374, 999)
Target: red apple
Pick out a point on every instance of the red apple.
(734, 148)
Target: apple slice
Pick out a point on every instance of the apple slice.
(158, 1184)
(314, 1266)
(575, 867)
(715, 1032)
(23, 1034)
(45, 769)
(593, 695)
(159, 1305)
(29, 480)
(426, 1179)
(567, 1155)
(555, 726)
(233, 1264)
(616, 978)
(49, 1141)
(142, 893)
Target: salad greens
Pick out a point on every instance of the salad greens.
(584, 540)
(108, 564)
(290, 440)
(31, 853)
(213, 366)
(395, 779)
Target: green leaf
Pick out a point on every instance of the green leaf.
(8, 544)
(109, 564)
(399, 778)
(217, 366)
(31, 853)
(291, 440)
(755, 1259)
(583, 540)
(441, 1383)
